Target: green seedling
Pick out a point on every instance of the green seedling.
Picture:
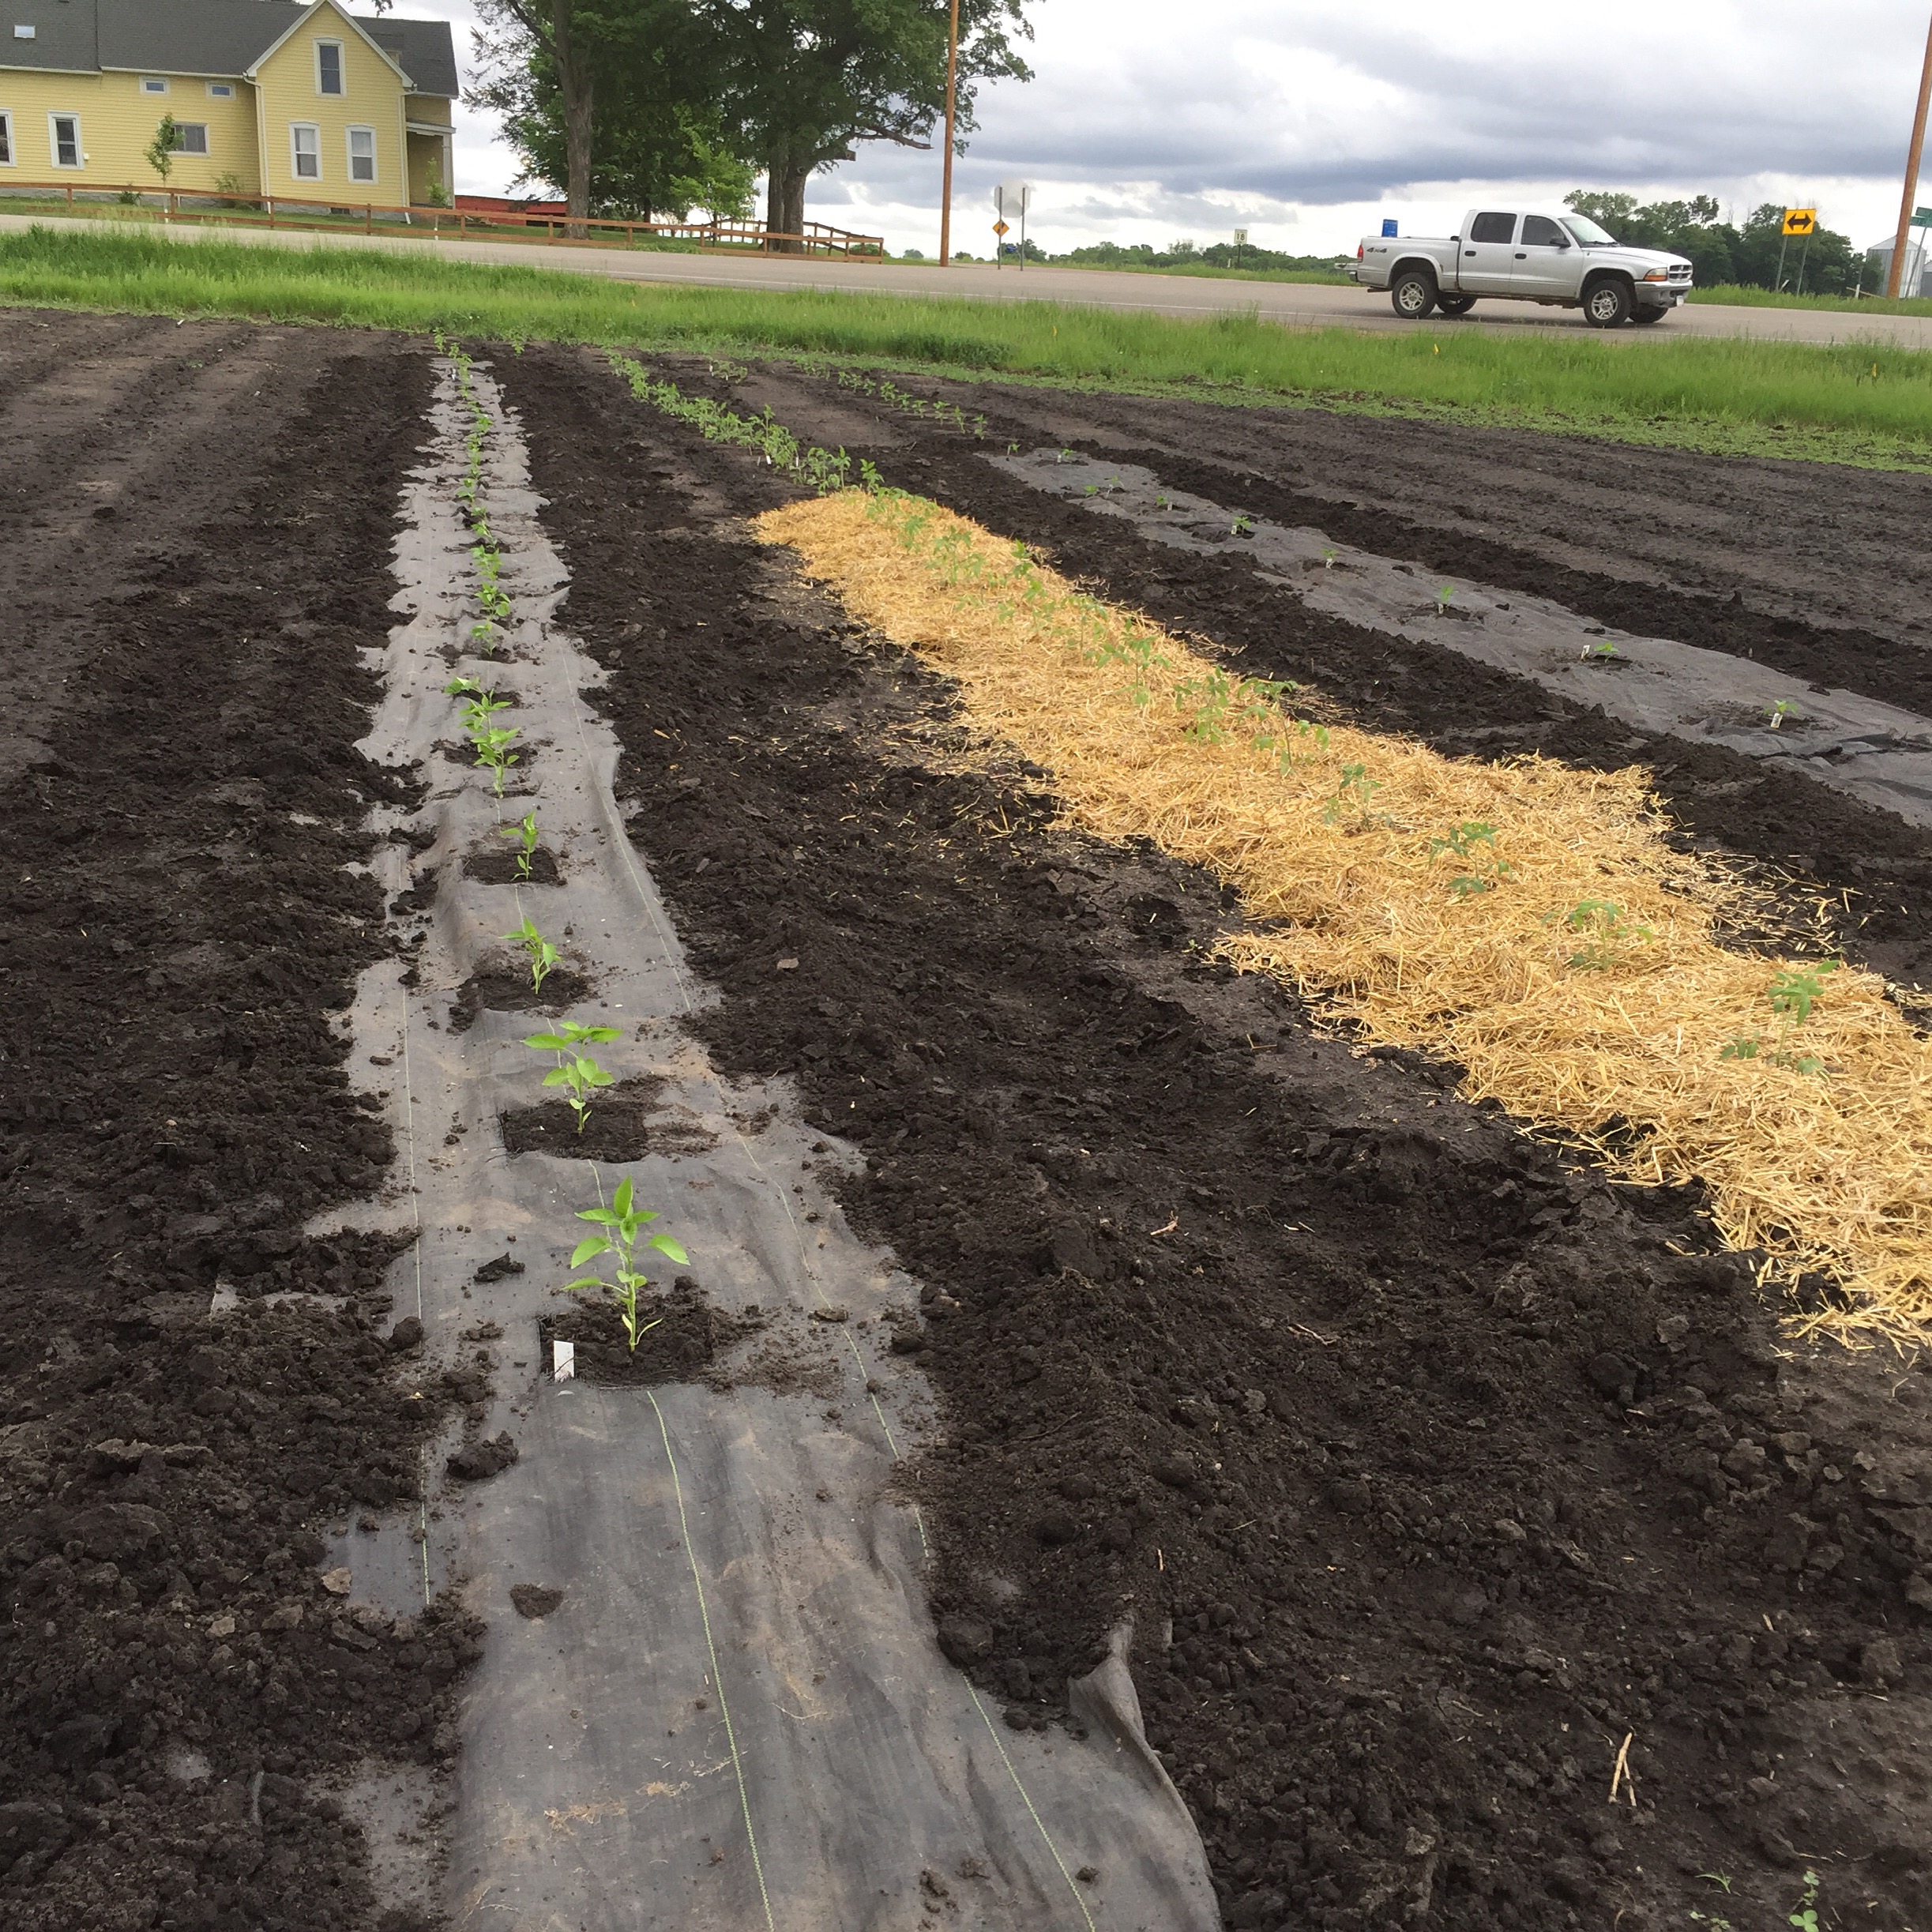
(492, 747)
(1605, 929)
(623, 1224)
(1243, 525)
(1805, 1917)
(542, 955)
(583, 1076)
(1065, 456)
(1161, 502)
(1797, 989)
(1013, 449)
(1603, 648)
(1328, 558)
(1793, 994)
(1783, 709)
(570, 1034)
(524, 832)
(1355, 791)
(1462, 843)
(1091, 490)
(1445, 596)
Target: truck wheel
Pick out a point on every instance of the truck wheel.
(1644, 315)
(1455, 305)
(1412, 294)
(1606, 304)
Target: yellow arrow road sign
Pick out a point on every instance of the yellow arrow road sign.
(1800, 221)
(999, 228)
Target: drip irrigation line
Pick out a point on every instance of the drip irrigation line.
(717, 1676)
(404, 880)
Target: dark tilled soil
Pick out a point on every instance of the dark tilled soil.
(686, 1334)
(1429, 1471)
(178, 1687)
(626, 1122)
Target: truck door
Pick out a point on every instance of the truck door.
(1547, 265)
(1485, 261)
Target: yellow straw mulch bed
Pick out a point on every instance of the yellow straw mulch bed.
(1524, 919)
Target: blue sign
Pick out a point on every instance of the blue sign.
(1388, 227)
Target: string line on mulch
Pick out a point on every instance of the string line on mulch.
(711, 1648)
(1528, 921)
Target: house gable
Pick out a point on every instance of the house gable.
(348, 146)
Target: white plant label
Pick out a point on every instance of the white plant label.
(563, 1362)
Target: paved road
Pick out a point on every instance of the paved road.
(1296, 304)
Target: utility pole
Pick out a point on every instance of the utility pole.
(1897, 270)
(953, 65)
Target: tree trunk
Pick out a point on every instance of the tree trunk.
(784, 200)
(578, 80)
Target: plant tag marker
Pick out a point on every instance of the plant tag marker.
(563, 1362)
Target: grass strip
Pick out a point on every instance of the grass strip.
(1525, 920)
(1869, 405)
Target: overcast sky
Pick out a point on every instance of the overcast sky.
(1150, 120)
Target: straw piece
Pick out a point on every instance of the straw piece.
(1524, 919)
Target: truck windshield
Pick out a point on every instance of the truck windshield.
(1587, 232)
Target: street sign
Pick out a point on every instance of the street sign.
(999, 228)
(1013, 198)
(1800, 221)
(1241, 238)
(1922, 218)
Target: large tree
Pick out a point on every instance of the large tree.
(805, 81)
(654, 142)
(565, 46)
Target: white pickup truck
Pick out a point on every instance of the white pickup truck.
(1551, 256)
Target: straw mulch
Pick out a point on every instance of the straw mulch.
(1524, 919)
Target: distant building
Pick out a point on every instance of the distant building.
(1918, 265)
(269, 97)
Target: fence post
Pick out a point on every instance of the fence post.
(369, 218)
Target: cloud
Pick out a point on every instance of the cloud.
(1245, 112)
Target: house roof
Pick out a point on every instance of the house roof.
(201, 37)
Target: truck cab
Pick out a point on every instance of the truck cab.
(1550, 255)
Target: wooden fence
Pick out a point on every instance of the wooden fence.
(551, 230)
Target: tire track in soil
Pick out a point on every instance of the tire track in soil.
(179, 1688)
(1426, 1467)
(1818, 845)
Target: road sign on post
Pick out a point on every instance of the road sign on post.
(1011, 197)
(1801, 221)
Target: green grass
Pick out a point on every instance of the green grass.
(1866, 405)
(1734, 296)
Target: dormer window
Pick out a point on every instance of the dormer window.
(23, 33)
(328, 66)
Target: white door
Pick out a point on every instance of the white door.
(1546, 262)
(1484, 262)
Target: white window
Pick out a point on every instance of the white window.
(64, 139)
(6, 140)
(190, 137)
(328, 66)
(361, 154)
(221, 90)
(306, 144)
(150, 85)
(23, 33)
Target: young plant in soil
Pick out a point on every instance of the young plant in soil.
(1461, 844)
(1604, 931)
(581, 1073)
(524, 832)
(1353, 794)
(1778, 712)
(542, 955)
(1794, 991)
(623, 1222)
(492, 746)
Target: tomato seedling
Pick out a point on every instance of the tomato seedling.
(493, 749)
(623, 1224)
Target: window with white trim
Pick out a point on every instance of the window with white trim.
(328, 66)
(221, 90)
(361, 154)
(6, 139)
(153, 83)
(63, 137)
(190, 137)
(305, 146)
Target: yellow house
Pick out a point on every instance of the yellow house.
(295, 98)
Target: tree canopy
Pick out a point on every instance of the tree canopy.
(639, 106)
